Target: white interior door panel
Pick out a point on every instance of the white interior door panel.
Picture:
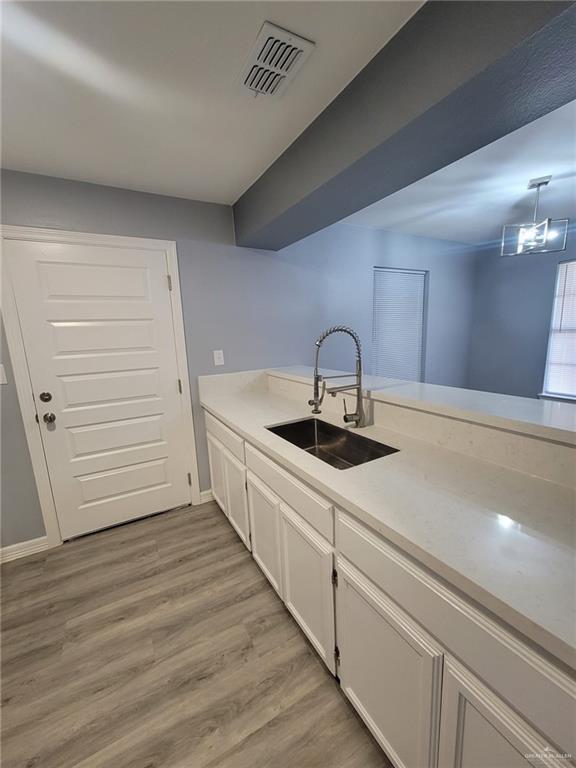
(98, 333)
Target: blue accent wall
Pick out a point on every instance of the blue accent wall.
(487, 326)
(255, 307)
(340, 262)
(456, 77)
(513, 299)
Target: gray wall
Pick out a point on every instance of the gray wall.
(340, 261)
(254, 306)
(511, 319)
(23, 517)
(488, 317)
(412, 110)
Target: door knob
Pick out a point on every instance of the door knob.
(49, 418)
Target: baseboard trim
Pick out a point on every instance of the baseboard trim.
(206, 496)
(23, 548)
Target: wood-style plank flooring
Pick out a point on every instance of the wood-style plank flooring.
(159, 644)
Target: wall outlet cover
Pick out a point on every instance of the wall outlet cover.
(218, 357)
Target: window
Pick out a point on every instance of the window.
(398, 323)
(560, 376)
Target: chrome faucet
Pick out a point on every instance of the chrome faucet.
(358, 417)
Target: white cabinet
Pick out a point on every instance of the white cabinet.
(533, 686)
(215, 457)
(228, 476)
(235, 495)
(307, 560)
(398, 628)
(390, 669)
(225, 436)
(479, 730)
(318, 512)
(264, 511)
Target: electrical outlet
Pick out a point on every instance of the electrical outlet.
(3, 379)
(218, 357)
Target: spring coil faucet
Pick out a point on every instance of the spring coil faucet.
(357, 418)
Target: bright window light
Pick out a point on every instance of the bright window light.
(560, 376)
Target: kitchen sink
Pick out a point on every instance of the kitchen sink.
(339, 447)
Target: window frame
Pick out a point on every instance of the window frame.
(545, 394)
(426, 275)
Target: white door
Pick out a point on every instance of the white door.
(308, 591)
(236, 501)
(479, 730)
(216, 460)
(390, 670)
(264, 510)
(97, 328)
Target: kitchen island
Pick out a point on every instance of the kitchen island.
(478, 552)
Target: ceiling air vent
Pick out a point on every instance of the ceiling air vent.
(275, 59)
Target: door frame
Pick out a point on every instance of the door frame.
(22, 374)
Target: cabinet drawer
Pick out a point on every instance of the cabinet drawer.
(225, 435)
(532, 685)
(313, 508)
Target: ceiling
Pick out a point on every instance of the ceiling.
(470, 200)
(146, 95)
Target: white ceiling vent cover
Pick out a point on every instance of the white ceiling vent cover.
(275, 59)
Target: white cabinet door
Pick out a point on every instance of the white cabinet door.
(235, 494)
(264, 511)
(479, 730)
(215, 457)
(307, 560)
(389, 669)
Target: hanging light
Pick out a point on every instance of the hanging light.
(537, 236)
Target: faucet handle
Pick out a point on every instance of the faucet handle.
(317, 402)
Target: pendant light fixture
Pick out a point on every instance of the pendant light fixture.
(538, 236)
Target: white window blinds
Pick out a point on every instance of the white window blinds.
(560, 376)
(398, 323)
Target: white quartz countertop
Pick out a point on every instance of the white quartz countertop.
(553, 420)
(505, 539)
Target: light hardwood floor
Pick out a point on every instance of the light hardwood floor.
(159, 644)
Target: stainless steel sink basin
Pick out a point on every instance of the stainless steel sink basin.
(336, 446)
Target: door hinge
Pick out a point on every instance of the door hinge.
(180, 386)
(169, 278)
(337, 654)
(189, 479)
(334, 577)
